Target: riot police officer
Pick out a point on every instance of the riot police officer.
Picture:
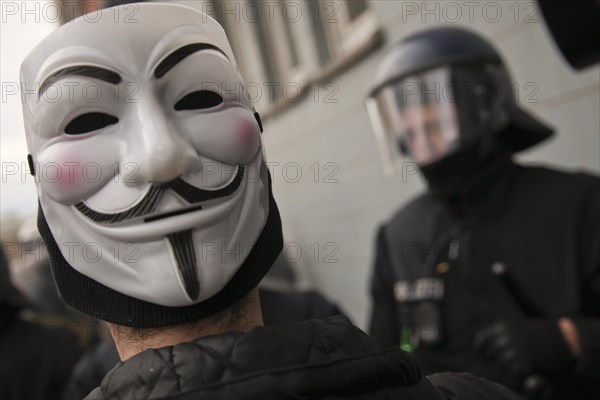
(494, 270)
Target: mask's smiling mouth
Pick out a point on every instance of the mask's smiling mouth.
(147, 207)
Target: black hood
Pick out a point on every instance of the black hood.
(523, 131)
(469, 175)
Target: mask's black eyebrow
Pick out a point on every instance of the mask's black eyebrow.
(178, 55)
(90, 71)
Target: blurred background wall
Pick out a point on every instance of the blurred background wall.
(308, 67)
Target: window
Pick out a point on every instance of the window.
(72, 9)
(282, 46)
(356, 8)
(277, 46)
(342, 29)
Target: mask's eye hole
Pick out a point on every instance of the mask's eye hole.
(199, 100)
(89, 122)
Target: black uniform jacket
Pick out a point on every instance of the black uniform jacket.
(527, 246)
(316, 359)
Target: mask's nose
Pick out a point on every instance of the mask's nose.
(159, 153)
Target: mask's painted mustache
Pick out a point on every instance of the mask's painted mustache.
(189, 193)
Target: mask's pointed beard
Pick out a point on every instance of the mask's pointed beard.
(146, 206)
(185, 257)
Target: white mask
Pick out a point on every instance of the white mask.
(148, 157)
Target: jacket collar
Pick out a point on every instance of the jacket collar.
(307, 359)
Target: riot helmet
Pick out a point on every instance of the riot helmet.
(441, 90)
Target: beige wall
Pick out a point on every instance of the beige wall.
(347, 213)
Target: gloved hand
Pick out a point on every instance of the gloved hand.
(525, 351)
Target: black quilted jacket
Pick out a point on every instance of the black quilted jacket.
(316, 359)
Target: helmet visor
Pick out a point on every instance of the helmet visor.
(415, 118)
(428, 115)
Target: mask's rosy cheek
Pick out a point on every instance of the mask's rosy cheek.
(231, 136)
(245, 135)
(248, 135)
(69, 172)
